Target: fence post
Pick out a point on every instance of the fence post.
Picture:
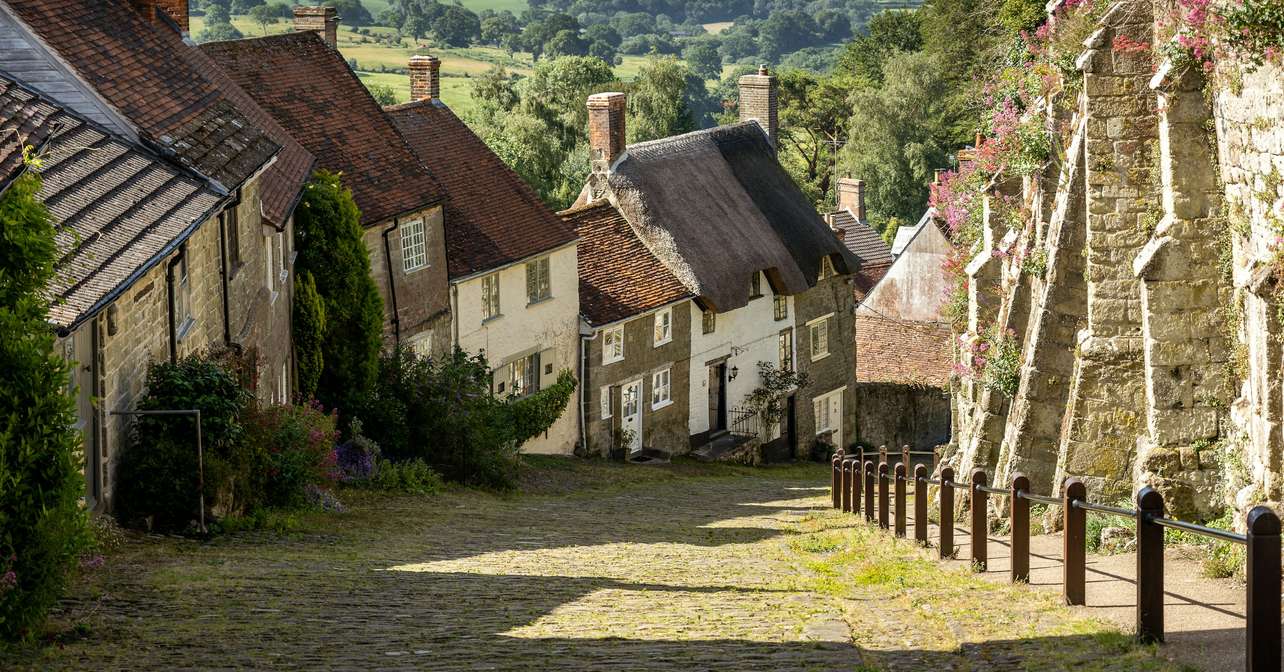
(869, 490)
(1020, 529)
(843, 480)
(920, 503)
(947, 512)
(882, 454)
(980, 522)
(835, 487)
(882, 495)
(900, 499)
(905, 458)
(1262, 635)
(853, 485)
(1150, 566)
(1074, 542)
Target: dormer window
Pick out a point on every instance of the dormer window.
(755, 285)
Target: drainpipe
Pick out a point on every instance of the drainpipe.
(454, 314)
(584, 391)
(222, 265)
(169, 299)
(392, 285)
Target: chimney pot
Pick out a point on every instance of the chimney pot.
(851, 196)
(322, 19)
(425, 78)
(758, 101)
(175, 9)
(606, 129)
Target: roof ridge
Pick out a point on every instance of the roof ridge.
(690, 135)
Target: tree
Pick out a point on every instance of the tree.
(219, 32)
(264, 15)
(814, 113)
(665, 99)
(556, 91)
(42, 528)
(499, 27)
(702, 56)
(309, 334)
(328, 237)
(888, 32)
(603, 32)
(382, 93)
(457, 26)
(351, 12)
(218, 13)
(566, 43)
(899, 135)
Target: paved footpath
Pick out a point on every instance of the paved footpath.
(735, 573)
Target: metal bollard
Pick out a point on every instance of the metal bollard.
(899, 488)
(1150, 567)
(947, 512)
(920, 503)
(882, 495)
(869, 491)
(1263, 628)
(980, 522)
(1020, 529)
(1074, 539)
(835, 487)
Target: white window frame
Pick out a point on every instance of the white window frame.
(661, 388)
(524, 375)
(822, 401)
(283, 386)
(280, 257)
(604, 402)
(613, 344)
(708, 322)
(414, 246)
(786, 336)
(779, 301)
(663, 331)
(490, 297)
(183, 319)
(539, 281)
(818, 333)
(270, 276)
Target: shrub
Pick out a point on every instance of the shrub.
(309, 333)
(412, 477)
(42, 528)
(358, 457)
(328, 237)
(158, 476)
(297, 448)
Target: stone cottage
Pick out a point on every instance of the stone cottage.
(771, 280)
(303, 81)
(511, 262)
(635, 385)
(181, 190)
(851, 224)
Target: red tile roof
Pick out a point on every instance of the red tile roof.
(902, 352)
(313, 93)
(867, 277)
(177, 100)
(619, 277)
(493, 218)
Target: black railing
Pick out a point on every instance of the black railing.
(744, 422)
(1262, 539)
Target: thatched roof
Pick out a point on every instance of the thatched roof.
(715, 206)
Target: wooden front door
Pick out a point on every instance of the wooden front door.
(718, 398)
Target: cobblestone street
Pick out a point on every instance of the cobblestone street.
(746, 571)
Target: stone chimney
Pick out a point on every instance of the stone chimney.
(425, 78)
(851, 196)
(758, 101)
(606, 129)
(324, 20)
(175, 9)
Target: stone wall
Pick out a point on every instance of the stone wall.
(416, 304)
(1151, 341)
(901, 415)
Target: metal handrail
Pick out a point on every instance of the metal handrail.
(992, 491)
(1102, 508)
(1038, 498)
(1224, 535)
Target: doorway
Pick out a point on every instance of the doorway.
(631, 414)
(717, 398)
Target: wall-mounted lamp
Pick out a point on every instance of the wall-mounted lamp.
(735, 371)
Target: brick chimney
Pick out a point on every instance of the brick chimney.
(851, 196)
(606, 129)
(758, 101)
(176, 9)
(425, 78)
(324, 20)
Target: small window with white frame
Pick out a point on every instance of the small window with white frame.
(605, 402)
(490, 297)
(538, 284)
(523, 376)
(709, 321)
(613, 345)
(819, 331)
(414, 246)
(661, 388)
(663, 326)
(785, 348)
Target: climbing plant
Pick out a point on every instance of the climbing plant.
(767, 401)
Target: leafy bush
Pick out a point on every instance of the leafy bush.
(412, 477)
(329, 240)
(297, 448)
(442, 411)
(158, 475)
(42, 528)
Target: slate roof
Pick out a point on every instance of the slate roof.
(861, 239)
(715, 206)
(118, 208)
(619, 277)
(150, 76)
(902, 352)
(24, 121)
(311, 91)
(493, 218)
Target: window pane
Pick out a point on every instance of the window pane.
(414, 249)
